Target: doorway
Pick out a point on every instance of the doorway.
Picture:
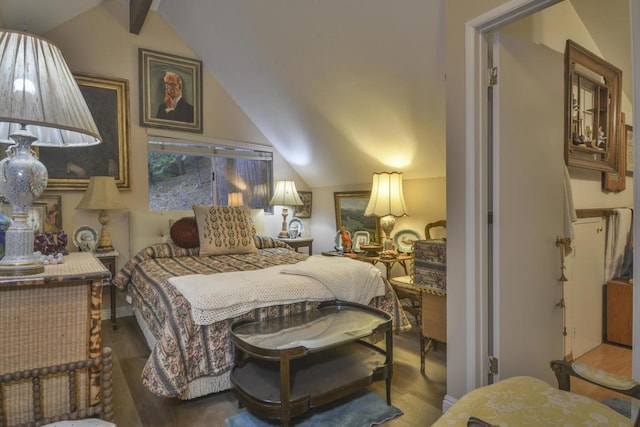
(476, 241)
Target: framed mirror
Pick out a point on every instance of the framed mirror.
(592, 110)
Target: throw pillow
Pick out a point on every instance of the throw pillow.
(224, 230)
(184, 232)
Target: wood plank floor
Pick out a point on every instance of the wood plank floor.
(608, 357)
(419, 397)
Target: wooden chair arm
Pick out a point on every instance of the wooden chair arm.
(565, 370)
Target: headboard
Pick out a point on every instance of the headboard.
(146, 228)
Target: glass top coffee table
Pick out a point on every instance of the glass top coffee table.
(289, 365)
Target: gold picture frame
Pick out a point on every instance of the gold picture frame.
(186, 115)
(350, 207)
(628, 136)
(71, 168)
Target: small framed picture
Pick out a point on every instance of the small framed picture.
(628, 131)
(170, 91)
(52, 209)
(304, 211)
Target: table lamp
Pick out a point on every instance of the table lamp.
(387, 203)
(41, 106)
(102, 195)
(235, 199)
(285, 195)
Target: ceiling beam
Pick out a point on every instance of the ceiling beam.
(138, 10)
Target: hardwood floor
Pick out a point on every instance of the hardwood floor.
(419, 397)
(609, 357)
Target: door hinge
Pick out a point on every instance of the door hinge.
(493, 76)
(493, 365)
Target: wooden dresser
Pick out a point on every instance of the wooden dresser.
(48, 319)
(619, 312)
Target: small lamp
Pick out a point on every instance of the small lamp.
(235, 199)
(102, 195)
(41, 105)
(387, 202)
(285, 195)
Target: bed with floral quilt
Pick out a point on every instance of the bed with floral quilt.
(191, 352)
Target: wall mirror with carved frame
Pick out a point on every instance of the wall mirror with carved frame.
(592, 110)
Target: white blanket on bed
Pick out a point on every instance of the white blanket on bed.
(215, 297)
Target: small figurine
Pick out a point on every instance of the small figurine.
(62, 240)
(346, 239)
(87, 243)
(601, 138)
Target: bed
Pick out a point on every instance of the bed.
(187, 359)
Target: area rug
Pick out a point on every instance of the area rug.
(622, 406)
(362, 409)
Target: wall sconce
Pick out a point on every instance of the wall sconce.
(42, 106)
(387, 203)
(285, 195)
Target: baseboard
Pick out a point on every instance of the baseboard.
(448, 402)
(122, 311)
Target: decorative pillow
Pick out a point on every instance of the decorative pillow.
(224, 230)
(184, 232)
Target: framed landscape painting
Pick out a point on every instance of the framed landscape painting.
(305, 210)
(350, 207)
(71, 168)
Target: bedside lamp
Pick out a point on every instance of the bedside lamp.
(285, 195)
(42, 106)
(235, 199)
(102, 195)
(387, 202)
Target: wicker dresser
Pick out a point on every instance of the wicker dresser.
(48, 319)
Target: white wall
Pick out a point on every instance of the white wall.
(98, 42)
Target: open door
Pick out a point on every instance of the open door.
(527, 200)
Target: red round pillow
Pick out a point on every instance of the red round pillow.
(184, 232)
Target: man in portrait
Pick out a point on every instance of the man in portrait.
(174, 107)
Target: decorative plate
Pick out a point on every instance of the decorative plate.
(360, 238)
(299, 223)
(404, 239)
(85, 238)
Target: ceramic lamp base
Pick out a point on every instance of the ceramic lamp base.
(24, 178)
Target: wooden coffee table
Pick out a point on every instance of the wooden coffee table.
(289, 365)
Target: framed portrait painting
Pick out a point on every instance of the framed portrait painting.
(71, 168)
(350, 207)
(170, 91)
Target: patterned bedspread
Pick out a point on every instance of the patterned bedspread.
(184, 351)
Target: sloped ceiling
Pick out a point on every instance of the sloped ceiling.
(341, 88)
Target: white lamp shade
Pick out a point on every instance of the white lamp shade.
(38, 90)
(235, 199)
(387, 195)
(102, 194)
(286, 194)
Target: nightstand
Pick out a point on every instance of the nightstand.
(299, 242)
(108, 259)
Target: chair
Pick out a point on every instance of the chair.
(428, 227)
(530, 401)
(46, 405)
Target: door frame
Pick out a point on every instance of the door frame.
(476, 187)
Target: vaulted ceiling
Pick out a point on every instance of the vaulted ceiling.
(341, 88)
